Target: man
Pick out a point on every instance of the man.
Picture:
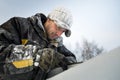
(31, 47)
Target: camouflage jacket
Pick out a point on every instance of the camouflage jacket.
(19, 30)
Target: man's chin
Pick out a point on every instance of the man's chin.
(52, 38)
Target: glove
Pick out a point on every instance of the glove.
(61, 61)
(44, 59)
(63, 64)
(70, 60)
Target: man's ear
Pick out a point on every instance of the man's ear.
(47, 21)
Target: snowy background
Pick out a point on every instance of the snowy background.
(94, 20)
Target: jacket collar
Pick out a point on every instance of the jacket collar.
(38, 21)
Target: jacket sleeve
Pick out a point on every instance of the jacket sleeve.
(63, 50)
(8, 36)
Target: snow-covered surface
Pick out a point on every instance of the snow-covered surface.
(103, 67)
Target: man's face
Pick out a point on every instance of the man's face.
(53, 31)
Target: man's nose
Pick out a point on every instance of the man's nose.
(59, 33)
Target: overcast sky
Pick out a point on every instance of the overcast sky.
(95, 20)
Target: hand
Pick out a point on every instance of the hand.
(70, 60)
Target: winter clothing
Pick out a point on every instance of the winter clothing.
(23, 36)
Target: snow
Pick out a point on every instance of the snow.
(103, 67)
